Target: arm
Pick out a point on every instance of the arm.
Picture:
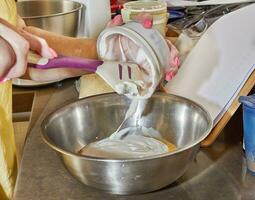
(17, 41)
(7, 57)
(63, 45)
(67, 46)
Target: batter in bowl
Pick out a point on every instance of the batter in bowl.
(132, 142)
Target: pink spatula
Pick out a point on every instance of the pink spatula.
(112, 72)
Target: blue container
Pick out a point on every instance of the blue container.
(248, 103)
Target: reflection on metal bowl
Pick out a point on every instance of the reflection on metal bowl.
(179, 120)
(59, 16)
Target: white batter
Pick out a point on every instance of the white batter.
(137, 142)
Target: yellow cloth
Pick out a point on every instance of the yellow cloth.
(8, 11)
(8, 164)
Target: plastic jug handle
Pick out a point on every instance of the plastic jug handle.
(248, 100)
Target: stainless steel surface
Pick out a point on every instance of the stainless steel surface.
(217, 173)
(59, 16)
(179, 120)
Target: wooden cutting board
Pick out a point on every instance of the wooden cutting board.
(92, 84)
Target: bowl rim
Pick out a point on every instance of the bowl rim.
(51, 15)
(47, 140)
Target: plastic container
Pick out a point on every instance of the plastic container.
(149, 42)
(157, 9)
(248, 103)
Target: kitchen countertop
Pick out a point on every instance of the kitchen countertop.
(219, 172)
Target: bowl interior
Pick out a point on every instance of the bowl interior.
(179, 120)
(35, 8)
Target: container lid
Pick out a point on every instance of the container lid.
(248, 100)
(138, 6)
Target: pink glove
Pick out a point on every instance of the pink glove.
(143, 18)
(15, 44)
(174, 62)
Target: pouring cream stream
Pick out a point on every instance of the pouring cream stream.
(135, 141)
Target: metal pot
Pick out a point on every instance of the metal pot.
(59, 16)
(179, 120)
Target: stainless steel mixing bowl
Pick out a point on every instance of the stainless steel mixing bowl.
(179, 120)
(59, 16)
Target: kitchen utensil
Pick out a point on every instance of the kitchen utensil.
(59, 16)
(90, 65)
(179, 120)
(33, 58)
(116, 74)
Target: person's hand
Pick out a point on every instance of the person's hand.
(14, 46)
(147, 21)
(64, 46)
(174, 64)
(49, 74)
(143, 18)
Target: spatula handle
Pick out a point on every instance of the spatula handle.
(71, 62)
